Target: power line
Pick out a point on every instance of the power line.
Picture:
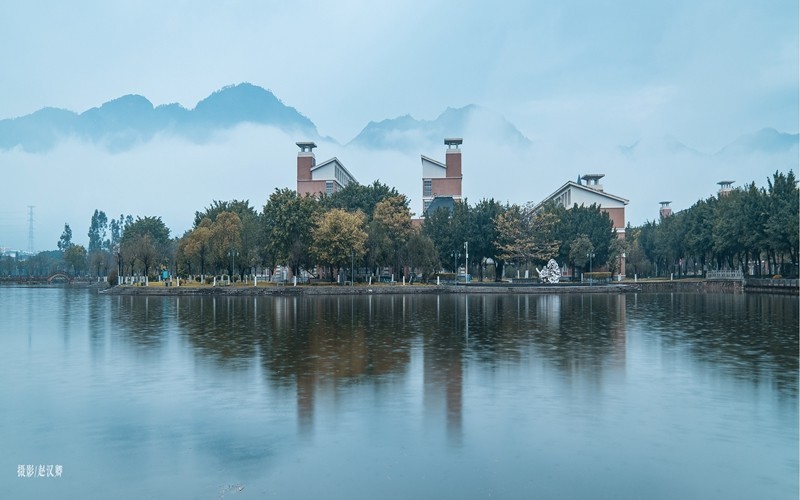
(30, 228)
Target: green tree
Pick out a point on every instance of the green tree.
(390, 229)
(670, 240)
(288, 222)
(225, 240)
(590, 221)
(250, 250)
(728, 232)
(699, 220)
(421, 254)
(617, 248)
(195, 245)
(526, 236)
(483, 236)
(782, 227)
(438, 226)
(582, 251)
(117, 227)
(145, 240)
(360, 197)
(97, 231)
(66, 238)
(339, 237)
(75, 258)
(636, 260)
(448, 231)
(98, 243)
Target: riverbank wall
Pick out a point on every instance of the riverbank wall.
(305, 290)
(677, 286)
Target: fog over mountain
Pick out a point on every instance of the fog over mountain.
(130, 120)
(406, 133)
(128, 156)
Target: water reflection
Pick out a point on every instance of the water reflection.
(318, 344)
(196, 393)
(753, 337)
(142, 321)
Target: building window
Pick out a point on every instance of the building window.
(329, 187)
(426, 187)
(425, 205)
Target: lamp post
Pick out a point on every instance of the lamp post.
(591, 256)
(232, 254)
(466, 260)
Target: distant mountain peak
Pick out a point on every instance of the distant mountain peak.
(121, 123)
(766, 140)
(406, 133)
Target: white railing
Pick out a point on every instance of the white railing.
(725, 275)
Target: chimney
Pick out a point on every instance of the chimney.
(305, 160)
(453, 158)
(665, 210)
(591, 181)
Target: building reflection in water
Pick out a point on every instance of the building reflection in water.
(443, 365)
(321, 346)
(315, 354)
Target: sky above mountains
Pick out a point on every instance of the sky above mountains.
(707, 70)
(579, 79)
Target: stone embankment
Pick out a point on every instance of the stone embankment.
(695, 286)
(305, 290)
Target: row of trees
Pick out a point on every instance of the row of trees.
(522, 236)
(750, 228)
(365, 226)
(370, 227)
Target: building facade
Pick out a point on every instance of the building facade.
(321, 179)
(590, 192)
(442, 180)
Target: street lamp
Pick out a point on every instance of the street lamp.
(591, 256)
(232, 254)
(466, 260)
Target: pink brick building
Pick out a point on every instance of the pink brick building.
(321, 179)
(442, 180)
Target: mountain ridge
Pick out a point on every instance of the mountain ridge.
(406, 132)
(124, 122)
(121, 123)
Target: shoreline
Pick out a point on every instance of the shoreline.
(701, 286)
(758, 286)
(317, 290)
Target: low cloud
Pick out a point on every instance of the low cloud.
(172, 177)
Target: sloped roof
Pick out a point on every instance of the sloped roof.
(336, 161)
(431, 160)
(571, 184)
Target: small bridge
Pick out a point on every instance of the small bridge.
(55, 277)
(59, 277)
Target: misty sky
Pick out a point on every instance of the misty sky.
(572, 76)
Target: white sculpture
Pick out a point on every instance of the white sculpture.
(550, 273)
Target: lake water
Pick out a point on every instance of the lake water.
(479, 396)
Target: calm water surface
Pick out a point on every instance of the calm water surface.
(559, 396)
